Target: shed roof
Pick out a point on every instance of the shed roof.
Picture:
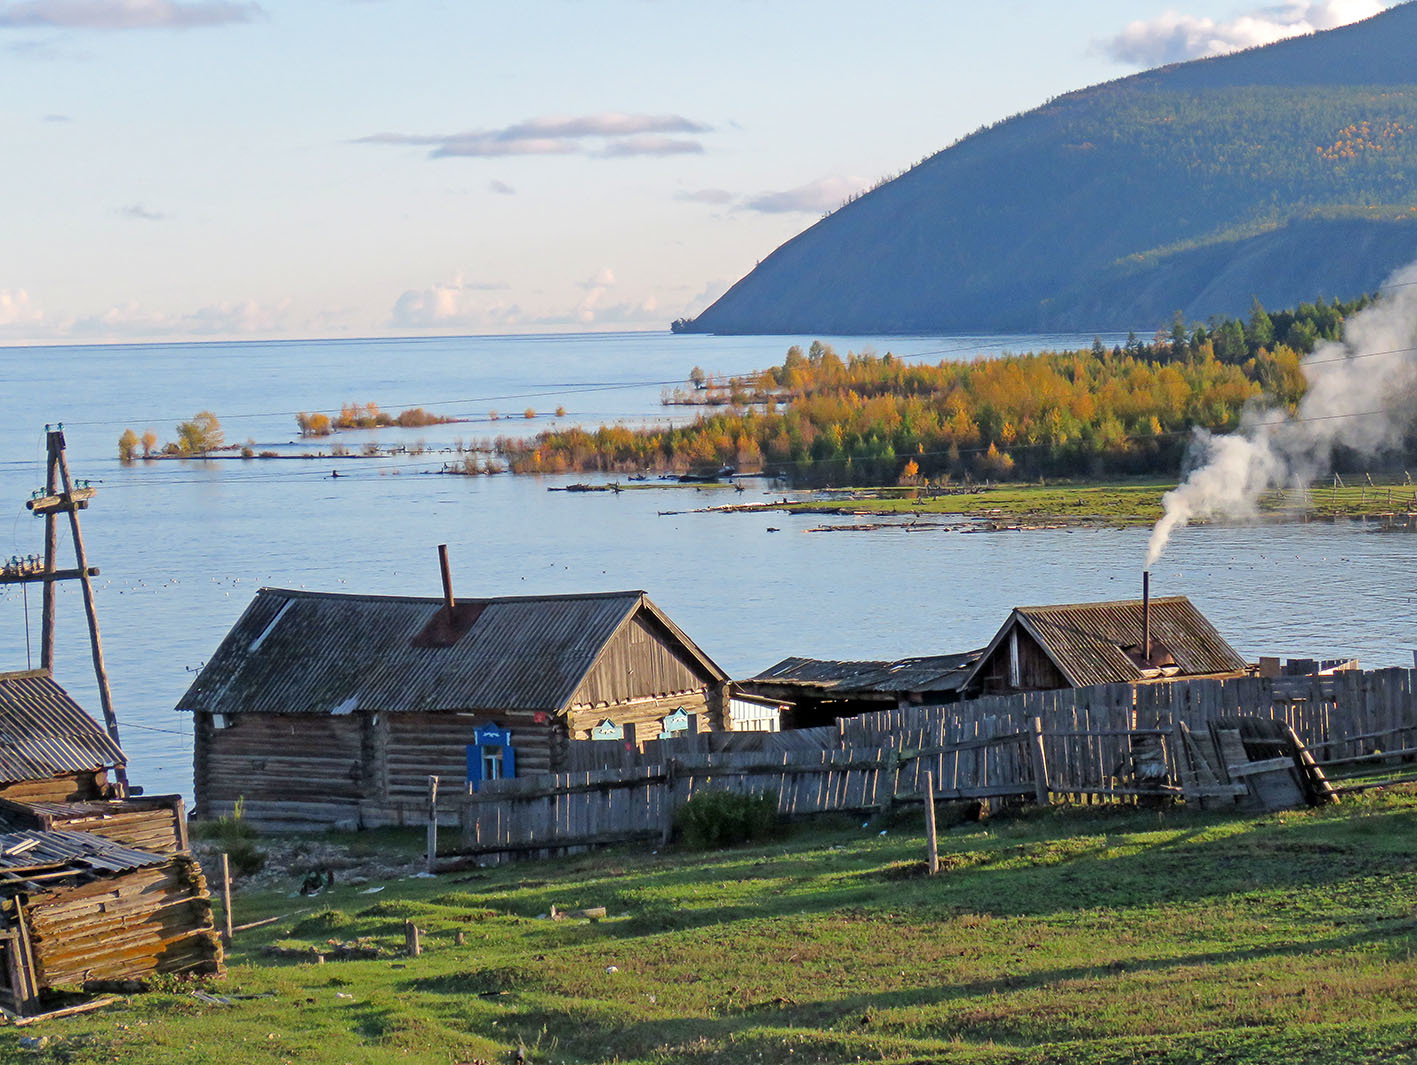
(1089, 642)
(80, 851)
(328, 653)
(928, 673)
(45, 734)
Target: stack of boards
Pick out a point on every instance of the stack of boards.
(1249, 763)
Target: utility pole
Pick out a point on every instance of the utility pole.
(61, 495)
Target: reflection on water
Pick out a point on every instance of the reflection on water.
(183, 546)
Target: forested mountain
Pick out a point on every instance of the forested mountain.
(1282, 172)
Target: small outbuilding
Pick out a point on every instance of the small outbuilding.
(819, 691)
(1040, 648)
(54, 767)
(322, 709)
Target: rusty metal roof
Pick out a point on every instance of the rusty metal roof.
(44, 733)
(325, 653)
(1090, 642)
(80, 851)
(928, 673)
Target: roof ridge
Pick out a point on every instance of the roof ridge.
(1105, 603)
(424, 600)
(25, 674)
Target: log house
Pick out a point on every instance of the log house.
(323, 709)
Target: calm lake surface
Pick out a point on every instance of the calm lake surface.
(184, 545)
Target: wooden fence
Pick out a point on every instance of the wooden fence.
(1104, 743)
(593, 807)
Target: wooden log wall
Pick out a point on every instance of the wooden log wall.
(647, 715)
(72, 787)
(291, 770)
(125, 927)
(154, 823)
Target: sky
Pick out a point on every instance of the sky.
(222, 169)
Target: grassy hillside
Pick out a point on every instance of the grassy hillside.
(1280, 172)
(1084, 936)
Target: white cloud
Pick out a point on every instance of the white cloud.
(825, 194)
(608, 135)
(141, 213)
(124, 14)
(444, 303)
(127, 320)
(501, 188)
(651, 144)
(718, 197)
(16, 308)
(1174, 37)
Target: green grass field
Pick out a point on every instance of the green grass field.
(1111, 503)
(1087, 935)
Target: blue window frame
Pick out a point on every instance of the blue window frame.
(608, 730)
(490, 756)
(675, 723)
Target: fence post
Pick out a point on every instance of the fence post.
(226, 898)
(410, 939)
(666, 802)
(1040, 762)
(932, 846)
(432, 824)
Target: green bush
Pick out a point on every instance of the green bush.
(237, 837)
(713, 819)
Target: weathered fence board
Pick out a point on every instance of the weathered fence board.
(1084, 744)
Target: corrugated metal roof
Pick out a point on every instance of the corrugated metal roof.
(78, 850)
(44, 733)
(1089, 642)
(928, 673)
(318, 652)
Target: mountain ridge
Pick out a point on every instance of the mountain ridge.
(1281, 172)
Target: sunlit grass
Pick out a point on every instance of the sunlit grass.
(1082, 935)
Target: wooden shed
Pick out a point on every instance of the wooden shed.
(321, 709)
(819, 691)
(1040, 648)
(54, 766)
(78, 912)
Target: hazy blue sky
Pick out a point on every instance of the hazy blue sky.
(336, 167)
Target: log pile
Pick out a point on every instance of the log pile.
(79, 912)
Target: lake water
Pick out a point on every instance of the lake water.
(184, 545)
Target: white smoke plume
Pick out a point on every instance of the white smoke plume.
(1362, 395)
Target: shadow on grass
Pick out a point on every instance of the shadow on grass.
(1015, 872)
(851, 1017)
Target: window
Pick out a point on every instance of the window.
(490, 756)
(491, 763)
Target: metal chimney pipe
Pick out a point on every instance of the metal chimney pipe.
(1146, 615)
(448, 601)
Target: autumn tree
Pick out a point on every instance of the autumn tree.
(127, 446)
(149, 442)
(200, 435)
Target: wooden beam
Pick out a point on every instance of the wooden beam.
(41, 577)
(54, 443)
(105, 694)
(65, 502)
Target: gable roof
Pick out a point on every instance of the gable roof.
(927, 673)
(45, 734)
(1088, 641)
(323, 653)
